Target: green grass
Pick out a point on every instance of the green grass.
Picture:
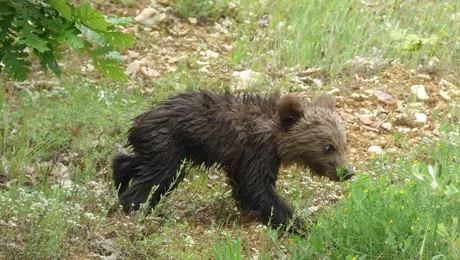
(202, 9)
(329, 33)
(399, 214)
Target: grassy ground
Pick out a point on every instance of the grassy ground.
(57, 138)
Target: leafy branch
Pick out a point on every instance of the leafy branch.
(42, 27)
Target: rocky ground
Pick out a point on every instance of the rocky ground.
(377, 98)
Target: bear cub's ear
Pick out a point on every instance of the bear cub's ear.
(289, 108)
(326, 101)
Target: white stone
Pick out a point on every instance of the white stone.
(386, 126)
(444, 95)
(211, 54)
(192, 20)
(246, 78)
(150, 73)
(150, 16)
(420, 91)
(133, 54)
(375, 149)
(420, 117)
(334, 91)
(133, 68)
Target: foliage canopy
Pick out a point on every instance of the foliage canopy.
(42, 27)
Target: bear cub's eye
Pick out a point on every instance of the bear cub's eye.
(328, 148)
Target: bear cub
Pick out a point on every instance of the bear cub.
(248, 136)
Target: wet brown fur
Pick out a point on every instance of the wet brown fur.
(248, 136)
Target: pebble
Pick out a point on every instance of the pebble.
(246, 78)
(420, 91)
(375, 149)
(192, 20)
(334, 91)
(423, 76)
(366, 119)
(386, 126)
(150, 73)
(383, 96)
(420, 117)
(358, 97)
(210, 54)
(446, 83)
(150, 16)
(444, 95)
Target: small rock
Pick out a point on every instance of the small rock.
(404, 130)
(455, 92)
(318, 82)
(375, 149)
(246, 78)
(444, 95)
(227, 47)
(345, 116)
(433, 65)
(334, 91)
(420, 118)
(147, 91)
(420, 91)
(133, 54)
(150, 16)
(192, 20)
(313, 209)
(423, 76)
(386, 126)
(365, 119)
(359, 97)
(356, 97)
(133, 68)
(382, 95)
(131, 89)
(150, 73)
(144, 17)
(211, 54)
(446, 83)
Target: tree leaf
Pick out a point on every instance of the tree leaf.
(62, 7)
(15, 61)
(119, 40)
(124, 21)
(72, 38)
(5, 24)
(91, 18)
(48, 60)
(32, 40)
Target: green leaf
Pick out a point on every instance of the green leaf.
(110, 68)
(91, 18)
(5, 11)
(15, 62)
(92, 36)
(72, 38)
(32, 40)
(115, 55)
(124, 21)
(119, 40)
(62, 7)
(5, 24)
(48, 60)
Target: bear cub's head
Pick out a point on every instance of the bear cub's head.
(313, 136)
